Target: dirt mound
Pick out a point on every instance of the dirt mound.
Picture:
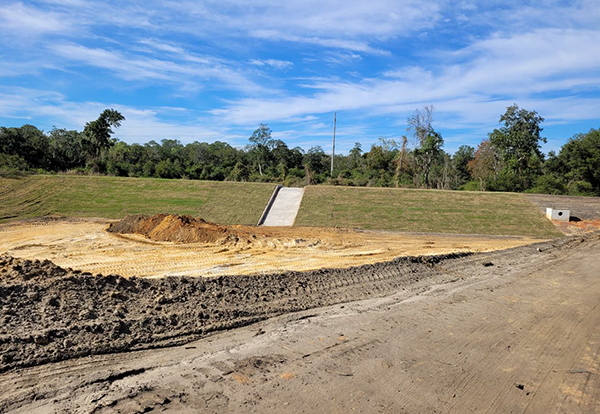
(174, 228)
(48, 313)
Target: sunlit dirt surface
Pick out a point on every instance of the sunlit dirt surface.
(574, 228)
(85, 245)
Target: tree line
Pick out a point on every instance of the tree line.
(508, 159)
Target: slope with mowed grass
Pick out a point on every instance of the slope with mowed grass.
(116, 197)
(437, 211)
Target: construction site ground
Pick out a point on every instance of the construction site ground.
(170, 313)
(511, 331)
(84, 244)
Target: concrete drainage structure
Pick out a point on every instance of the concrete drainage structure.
(558, 214)
(282, 208)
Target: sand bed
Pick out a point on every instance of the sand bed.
(86, 245)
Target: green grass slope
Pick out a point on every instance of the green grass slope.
(423, 211)
(115, 197)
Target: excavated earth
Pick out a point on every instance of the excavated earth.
(171, 245)
(48, 313)
(176, 228)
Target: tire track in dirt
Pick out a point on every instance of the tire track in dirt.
(485, 378)
(571, 358)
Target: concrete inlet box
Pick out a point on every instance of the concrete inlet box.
(558, 214)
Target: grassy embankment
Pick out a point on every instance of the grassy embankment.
(423, 211)
(114, 197)
(242, 203)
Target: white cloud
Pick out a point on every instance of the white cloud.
(337, 24)
(25, 20)
(138, 67)
(356, 46)
(503, 67)
(341, 57)
(327, 19)
(274, 63)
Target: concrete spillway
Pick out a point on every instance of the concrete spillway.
(284, 208)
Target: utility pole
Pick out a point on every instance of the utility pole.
(399, 164)
(333, 144)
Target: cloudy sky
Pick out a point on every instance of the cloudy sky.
(213, 70)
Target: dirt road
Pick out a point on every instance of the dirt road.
(506, 332)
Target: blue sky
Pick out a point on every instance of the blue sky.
(214, 70)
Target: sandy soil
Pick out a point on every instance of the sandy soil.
(512, 331)
(85, 245)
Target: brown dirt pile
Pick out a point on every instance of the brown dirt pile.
(48, 313)
(174, 228)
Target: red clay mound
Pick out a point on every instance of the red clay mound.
(173, 228)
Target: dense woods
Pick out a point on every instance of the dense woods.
(508, 159)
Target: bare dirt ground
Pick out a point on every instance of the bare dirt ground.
(506, 331)
(84, 244)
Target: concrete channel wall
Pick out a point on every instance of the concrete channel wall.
(265, 212)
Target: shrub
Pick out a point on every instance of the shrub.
(13, 162)
(293, 181)
(470, 186)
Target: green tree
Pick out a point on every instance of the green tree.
(377, 159)
(460, 160)
(316, 159)
(169, 169)
(261, 144)
(117, 159)
(97, 134)
(485, 165)
(518, 143)
(356, 152)
(12, 163)
(28, 143)
(282, 155)
(440, 174)
(428, 152)
(239, 172)
(427, 155)
(380, 161)
(579, 162)
(65, 150)
(10, 141)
